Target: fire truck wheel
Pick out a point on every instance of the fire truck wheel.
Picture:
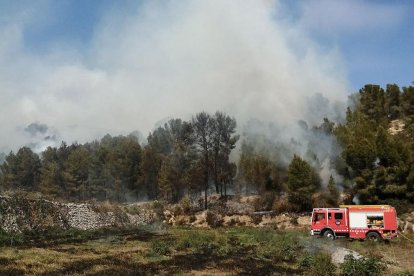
(373, 236)
(328, 234)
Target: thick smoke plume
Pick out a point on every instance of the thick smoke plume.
(165, 59)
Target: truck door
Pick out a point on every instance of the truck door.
(319, 220)
(337, 221)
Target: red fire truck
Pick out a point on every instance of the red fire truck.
(373, 222)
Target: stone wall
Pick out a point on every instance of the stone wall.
(18, 214)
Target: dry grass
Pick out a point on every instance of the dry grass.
(187, 251)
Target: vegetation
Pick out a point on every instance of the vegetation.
(363, 266)
(240, 250)
(370, 157)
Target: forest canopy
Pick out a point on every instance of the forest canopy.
(369, 160)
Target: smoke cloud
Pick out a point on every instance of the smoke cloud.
(162, 59)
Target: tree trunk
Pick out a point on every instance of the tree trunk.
(215, 173)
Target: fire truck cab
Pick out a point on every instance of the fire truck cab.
(373, 222)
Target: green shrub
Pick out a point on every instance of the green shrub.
(10, 239)
(161, 247)
(362, 266)
(197, 242)
(200, 242)
(158, 208)
(185, 204)
(305, 262)
(278, 246)
(317, 265)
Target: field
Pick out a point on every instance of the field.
(189, 251)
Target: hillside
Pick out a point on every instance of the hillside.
(50, 238)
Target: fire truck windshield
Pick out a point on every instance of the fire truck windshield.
(319, 216)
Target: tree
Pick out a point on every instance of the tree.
(21, 170)
(76, 173)
(302, 183)
(51, 173)
(372, 99)
(203, 126)
(393, 106)
(333, 192)
(223, 142)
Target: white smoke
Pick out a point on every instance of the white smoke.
(170, 59)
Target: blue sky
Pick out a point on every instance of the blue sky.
(376, 49)
(87, 68)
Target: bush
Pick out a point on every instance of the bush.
(363, 266)
(198, 242)
(278, 246)
(265, 202)
(177, 210)
(185, 204)
(161, 247)
(257, 219)
(318, 265)
(283, 205)
(10, 239)
(158, 208)
(213, 219)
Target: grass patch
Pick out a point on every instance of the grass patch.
(181, 250)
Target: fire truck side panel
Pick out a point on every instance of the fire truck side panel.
(390, 219)
(355, 221)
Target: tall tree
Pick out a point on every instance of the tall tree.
(393, 106)
(203, 126)
(302, 183)
(21, 170)
(223, 141)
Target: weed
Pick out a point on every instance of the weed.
(362, 266)
(162, 247)
(317, 265)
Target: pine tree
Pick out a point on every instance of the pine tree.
(333, 191)
(302, 183)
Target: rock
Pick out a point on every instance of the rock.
(338, 254)
(18, 214)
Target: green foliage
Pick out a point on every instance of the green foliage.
(204, 242)
(259, 172)
(185, 204)
(302, 183)
(277, 247)
(158, 208)
(176, 162)
(20, 170)
(162, 246)
(333, 192)
(317, 265)
(362, 266)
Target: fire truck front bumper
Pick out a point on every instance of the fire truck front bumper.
(315, 232)
(390, 235)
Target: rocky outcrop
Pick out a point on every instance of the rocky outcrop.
(18, 214)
